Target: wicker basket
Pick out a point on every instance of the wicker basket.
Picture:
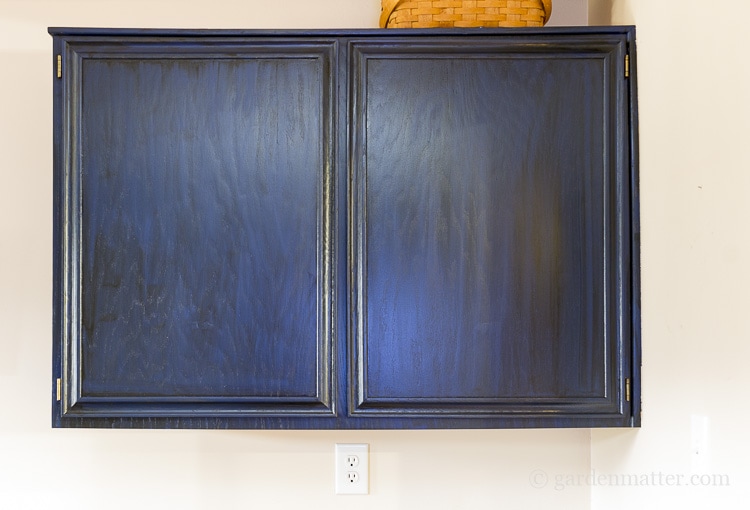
(464, 13)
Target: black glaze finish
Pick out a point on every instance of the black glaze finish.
(346, 229)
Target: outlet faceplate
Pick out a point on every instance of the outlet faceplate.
(352, 468)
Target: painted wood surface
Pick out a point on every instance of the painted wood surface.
(345, 229)
(484, 228)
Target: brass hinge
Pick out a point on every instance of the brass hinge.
(59, 388)
(627, 389)
(627, 66)
(59, 66)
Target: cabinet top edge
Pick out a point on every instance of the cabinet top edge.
(360, 32)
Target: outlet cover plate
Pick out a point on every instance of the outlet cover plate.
(352, 468)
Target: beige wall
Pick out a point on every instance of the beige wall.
(569, 13)
(695, 182)
(694, 121)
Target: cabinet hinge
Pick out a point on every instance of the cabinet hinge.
(59, 66)
(627, 66)
(59, 388)
(627, 389)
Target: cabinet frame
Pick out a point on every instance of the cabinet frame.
(341, 400)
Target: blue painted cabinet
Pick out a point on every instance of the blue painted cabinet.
(345, 229)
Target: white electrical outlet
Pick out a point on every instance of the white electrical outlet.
(352, 468)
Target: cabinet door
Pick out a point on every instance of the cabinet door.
(193, 264)
(491, 231)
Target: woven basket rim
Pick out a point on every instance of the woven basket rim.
(388, 6)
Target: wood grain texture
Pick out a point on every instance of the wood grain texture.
(203, 229)
(345, 229)
(487, 230)
(200, 252)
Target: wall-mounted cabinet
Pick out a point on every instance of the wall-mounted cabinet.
(345, 229)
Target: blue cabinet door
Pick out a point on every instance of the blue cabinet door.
(195, 204)
(492, 222)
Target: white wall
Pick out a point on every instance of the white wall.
(694, 118)
(695, 182)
